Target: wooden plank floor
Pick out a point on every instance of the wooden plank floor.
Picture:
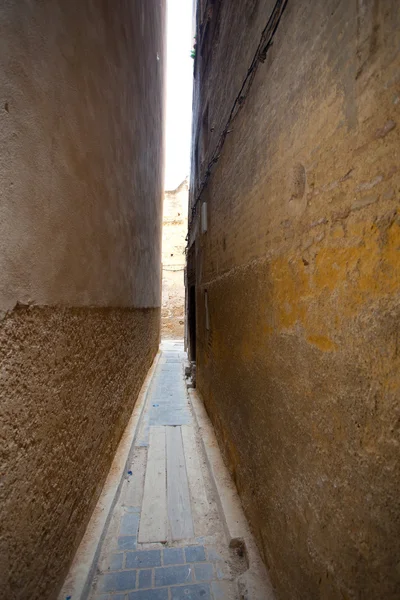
(153, 519)
(168, 495)
(178, 497)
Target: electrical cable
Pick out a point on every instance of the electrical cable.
(259, 56)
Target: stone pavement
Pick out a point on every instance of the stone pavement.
(166, 540)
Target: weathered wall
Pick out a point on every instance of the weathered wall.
(80, 247)
(71, 376)
(173, 261)
(300, 368)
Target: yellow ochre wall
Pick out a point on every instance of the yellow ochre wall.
(300, 366)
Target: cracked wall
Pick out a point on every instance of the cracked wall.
(299, 367)
(80, 263)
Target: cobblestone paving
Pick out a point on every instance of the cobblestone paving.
(189, 572)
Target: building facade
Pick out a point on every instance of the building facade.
(173, 261)
(80, 278)
(293, 281)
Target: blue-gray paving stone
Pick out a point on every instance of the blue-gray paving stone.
(203, 571)
(200, 541)
(199, 591)
(142, 559)
(220, 572)
(170, 418)
(173, 575)
(127, 542)
(173, 556)
(213, 554)
(145, 578)
(160, 594)
(108, 597)
(116, 582)
(144, 430)
(195, 554)
(129, 524)
(132, 509)
(116, 561)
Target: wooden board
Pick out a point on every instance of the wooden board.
(200, 504)
(153, 518)
(178, 497)
(134, 485)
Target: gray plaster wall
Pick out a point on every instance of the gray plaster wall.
(81, 153)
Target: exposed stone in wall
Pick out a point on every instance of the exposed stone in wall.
(300, 368)
(80, 254)
(173, 258)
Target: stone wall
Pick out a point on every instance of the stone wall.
(80, 271)
(299, 366)
(173, 261)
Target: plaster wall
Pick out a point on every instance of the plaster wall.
(299, 367)
(80, 263)
(81, 87)
(173, 259)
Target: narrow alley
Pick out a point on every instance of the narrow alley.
(167, 536)
(199, 300)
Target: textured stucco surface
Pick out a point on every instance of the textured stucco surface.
(81, 174)
(300, 367)
(81, 162)
(70, 378)
(173, 261)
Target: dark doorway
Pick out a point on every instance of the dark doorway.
(192, 322)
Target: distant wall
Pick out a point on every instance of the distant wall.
(80, 263)
(300, 366)
(173, 259)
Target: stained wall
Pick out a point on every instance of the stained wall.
(298, 360)
(80, 263)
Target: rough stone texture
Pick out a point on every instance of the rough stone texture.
(70, 378)
(299, 367)
(80, 272)
(173, 258)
